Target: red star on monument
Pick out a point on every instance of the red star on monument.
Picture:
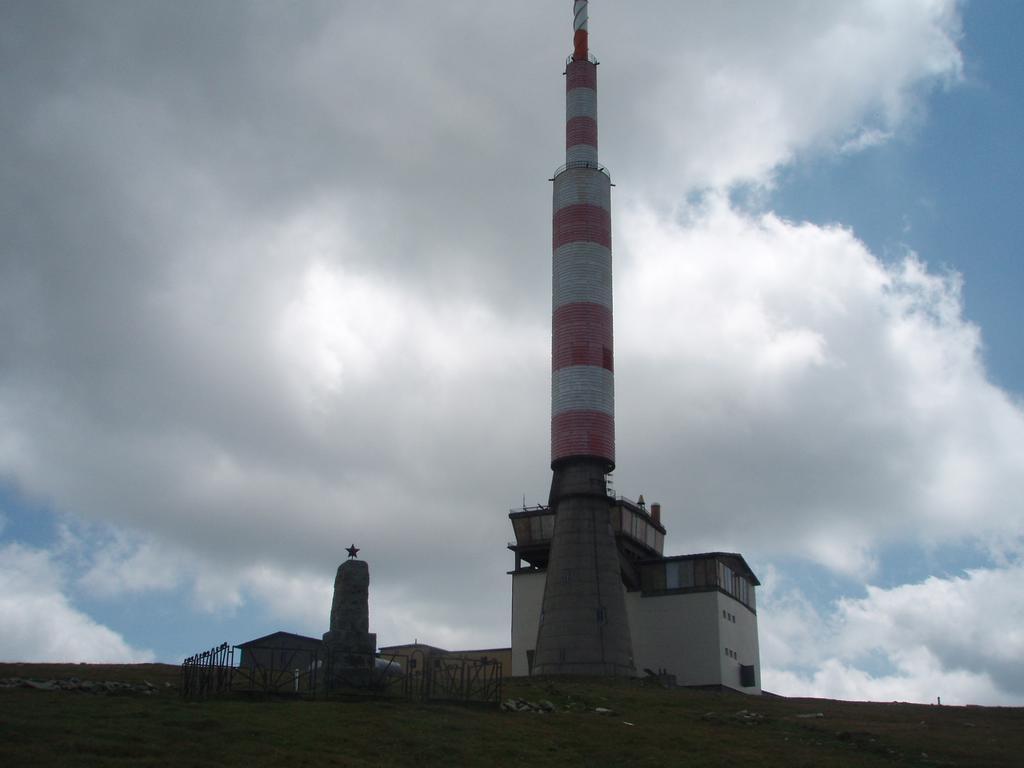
(352, 551)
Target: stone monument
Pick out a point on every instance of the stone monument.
(351, 646)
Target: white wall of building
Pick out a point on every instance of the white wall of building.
(677, 633)
(738, 627)
(685, 634)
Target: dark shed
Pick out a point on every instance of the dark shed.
(281, 651)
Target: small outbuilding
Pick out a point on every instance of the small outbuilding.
(420, 655)
(281, 651)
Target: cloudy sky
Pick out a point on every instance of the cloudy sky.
(275, 278)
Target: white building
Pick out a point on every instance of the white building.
(692, 616)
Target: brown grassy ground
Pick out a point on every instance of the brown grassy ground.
(650, 727)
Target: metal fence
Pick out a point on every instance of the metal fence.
(311, 673)
(208, 673)
(454, 679)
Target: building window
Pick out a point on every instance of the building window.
(747, 676)
(698, 573)
(686, 573)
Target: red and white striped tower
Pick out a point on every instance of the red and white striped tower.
(582, 386)
(583, 627)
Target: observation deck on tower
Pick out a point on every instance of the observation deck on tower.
(638, 535)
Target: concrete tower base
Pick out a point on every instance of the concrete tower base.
(583, 628)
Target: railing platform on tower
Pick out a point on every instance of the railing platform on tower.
(579, 164)
(590, 58)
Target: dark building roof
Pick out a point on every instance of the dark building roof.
(733, 559)
(281, 636)
(420, 646)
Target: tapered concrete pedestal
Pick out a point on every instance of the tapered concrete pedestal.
(583, 628)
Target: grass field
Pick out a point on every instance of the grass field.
(650, 727)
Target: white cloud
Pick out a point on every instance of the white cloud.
(957, 638)
(919, 680)
(40, 624)
(293, 595)
(720, 93)
(124, 565)
(779, 386)
(869, 137)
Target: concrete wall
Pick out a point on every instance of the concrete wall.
(687, 634)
